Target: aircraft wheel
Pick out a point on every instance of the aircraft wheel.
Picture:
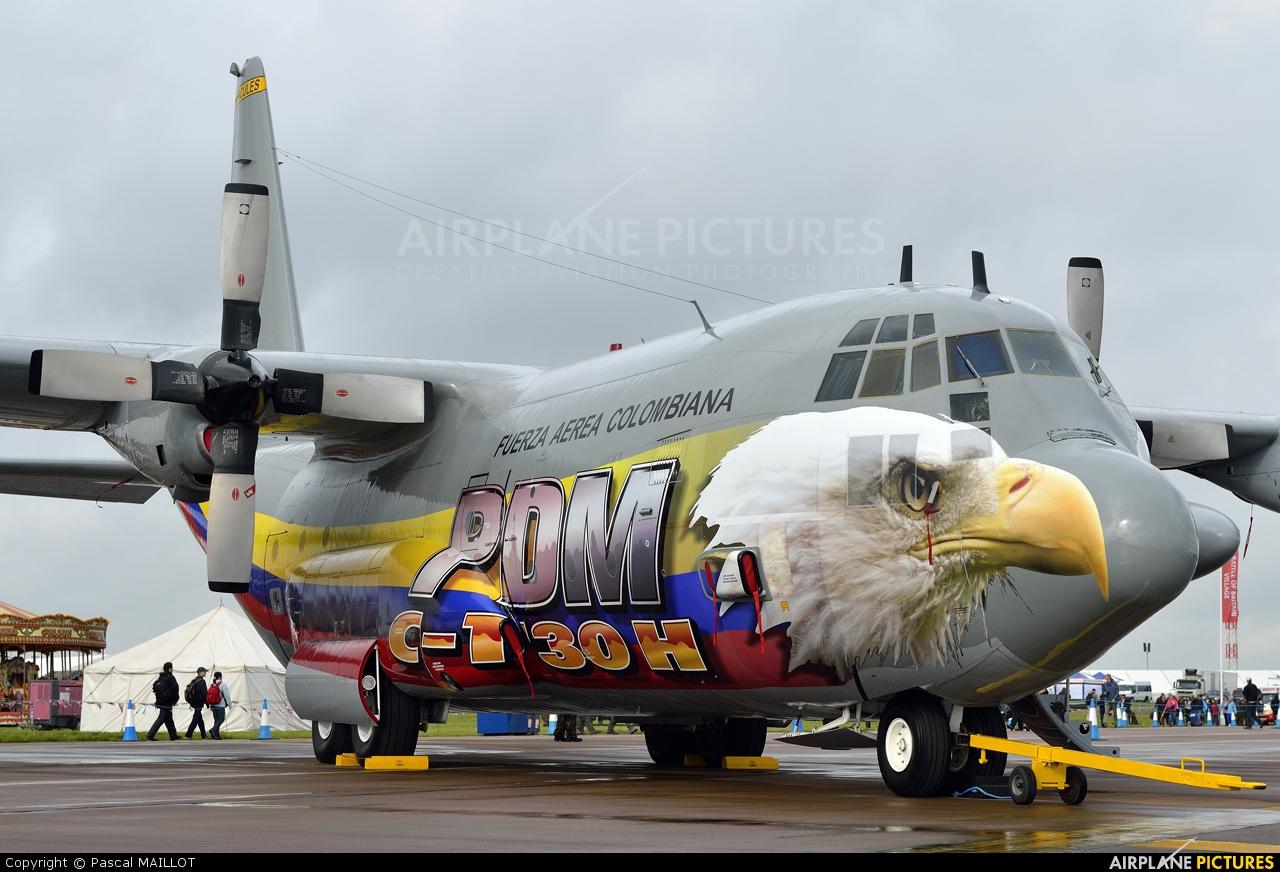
(329, 740)
(745, 737)
(666, 744)
(1077, 786)
(963, 767)
(912, 745)
(396, 733)
(1022, 785)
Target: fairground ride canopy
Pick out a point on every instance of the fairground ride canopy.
(28, 631)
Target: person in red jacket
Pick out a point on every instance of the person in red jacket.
(219, 697)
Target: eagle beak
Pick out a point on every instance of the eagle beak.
(1045, 520)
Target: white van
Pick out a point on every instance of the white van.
(1138, 692)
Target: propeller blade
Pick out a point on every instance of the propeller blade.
(1084, 301)
(229, 544)
(380, 398)
(176, 382)
(112, 378)
(297, 392)
(245, 223)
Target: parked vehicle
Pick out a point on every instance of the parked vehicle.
(1138, 692)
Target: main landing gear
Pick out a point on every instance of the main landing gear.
(395, 734)
(917, 754)
(711, 740)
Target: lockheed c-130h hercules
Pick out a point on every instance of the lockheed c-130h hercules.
(916, 501)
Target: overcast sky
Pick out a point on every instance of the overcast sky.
(703, 135)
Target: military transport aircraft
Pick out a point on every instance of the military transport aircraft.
(915, 501)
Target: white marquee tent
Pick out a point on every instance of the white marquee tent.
(220, 640)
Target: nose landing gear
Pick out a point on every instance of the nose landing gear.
(918, 755)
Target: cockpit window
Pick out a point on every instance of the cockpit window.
(841, 379)
(976, 354)
(1088, 366)
(1040, 352)
(894, 329)
(861, 333)
(885, 371)
(923, 326)
(925, 371)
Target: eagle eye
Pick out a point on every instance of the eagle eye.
(919, 486)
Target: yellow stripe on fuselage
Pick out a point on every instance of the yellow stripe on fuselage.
(391, 553)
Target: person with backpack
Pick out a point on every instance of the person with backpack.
(218, 698)
(165, 688)
(194, 695)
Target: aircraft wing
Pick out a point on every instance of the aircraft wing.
(1234, 450)
(482, 383)
(106, 481)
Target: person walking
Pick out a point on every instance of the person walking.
(1252, 699)
(194, 695)
(1228, 711)
(165, 688)
(218, 697)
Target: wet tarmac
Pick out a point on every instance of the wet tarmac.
(529, 793)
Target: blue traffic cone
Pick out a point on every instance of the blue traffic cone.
(1209, 719)
(1182, 721)
(1155, 718)
(551, 724)
(1122, 717)
(264, 725)
(1094, 734)
(130, 731)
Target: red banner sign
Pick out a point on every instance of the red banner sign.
(1231, 590)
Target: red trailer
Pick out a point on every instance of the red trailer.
(56, 703)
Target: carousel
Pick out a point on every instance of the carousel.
(42, 658)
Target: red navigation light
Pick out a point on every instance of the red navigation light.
(206, 439)
(615, 346)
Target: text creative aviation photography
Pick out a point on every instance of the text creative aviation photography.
(896, 513)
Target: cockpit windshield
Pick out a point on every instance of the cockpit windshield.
(974, 355)
(1040, 352)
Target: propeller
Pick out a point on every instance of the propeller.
(231, 388)
(1084, 301)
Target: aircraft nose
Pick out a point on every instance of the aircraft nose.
(1151, 539)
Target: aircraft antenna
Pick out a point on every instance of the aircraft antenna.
(706, 325)
(904, 271)
(980, 273)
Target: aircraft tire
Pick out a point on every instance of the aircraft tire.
(963, 768)
(329, 740)
(745, 737)
(396, 734)
(667, 745)
(912, 745)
